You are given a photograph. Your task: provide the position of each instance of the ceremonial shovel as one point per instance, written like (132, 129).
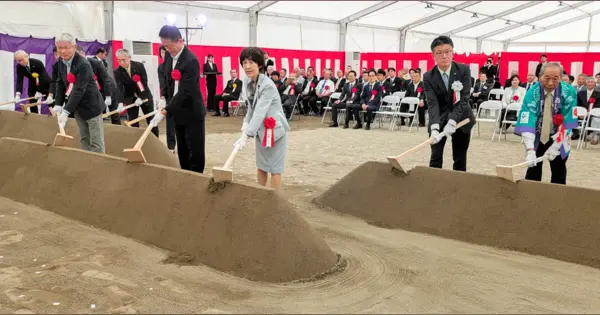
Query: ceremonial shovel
(395, 160)
(507, 172)
(129, 123)
(17, 101)
(25, 107)
(225, 174)
(135, 154)
(118, 111)
(61, 139)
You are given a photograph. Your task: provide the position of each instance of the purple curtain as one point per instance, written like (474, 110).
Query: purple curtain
(33, 45)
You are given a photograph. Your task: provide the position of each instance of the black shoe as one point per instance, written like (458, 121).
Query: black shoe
(216, 114)
(357, 126)
(368, 127)
(346, 126)
(225, 115)
(333, 125)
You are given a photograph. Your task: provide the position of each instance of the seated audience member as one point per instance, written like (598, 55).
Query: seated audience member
(565, 78)
(530, 82)
(397, 83)
(415, 89)
(350, 95)
(298, 75)
(386, 86)
(270, 70)
(364, 78)
(303, 72)
(571, 79)
(289, 96)
(512, 94)
(340, 82)
(581, 82)
(283, 75)
(278, 83)
(308, 91)
(589, 98)
(369, 101)
(482, 90)
(597, 78)
(230, 93)
(508, 81)
(323, 91)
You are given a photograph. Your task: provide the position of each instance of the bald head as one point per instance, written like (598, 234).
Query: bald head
(21, 57)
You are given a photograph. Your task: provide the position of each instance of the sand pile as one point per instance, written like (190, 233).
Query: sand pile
(556, 221)
(245, 230)
(116, 138)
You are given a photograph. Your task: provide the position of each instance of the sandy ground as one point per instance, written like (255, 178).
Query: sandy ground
(51, 264)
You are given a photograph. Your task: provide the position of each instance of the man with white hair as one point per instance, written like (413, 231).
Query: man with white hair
(132, 80)
(547, 117)
(35, 71)
(77, 90)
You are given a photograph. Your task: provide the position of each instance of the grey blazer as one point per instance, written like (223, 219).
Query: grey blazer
(265, 103)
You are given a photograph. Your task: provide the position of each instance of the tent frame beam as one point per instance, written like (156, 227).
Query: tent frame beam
(449, 10)
(362, 13)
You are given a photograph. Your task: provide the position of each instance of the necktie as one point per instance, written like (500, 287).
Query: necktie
(28, 69)
(547, 118)
(129, 71)
(322, 87)
(445, 78)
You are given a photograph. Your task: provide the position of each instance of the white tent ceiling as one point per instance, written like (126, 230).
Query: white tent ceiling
(509, 21)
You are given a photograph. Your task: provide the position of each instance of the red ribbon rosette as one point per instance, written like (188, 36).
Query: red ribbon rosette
(292, 90)
(176, 75)
(515, 98)
(138, 81)
(312, 85)
(419, 90)
(326, 87)
(558, 119)
(71, 79)
(353, 90)
(591, 101)
(373, 93)
(268, 140)
(97, 83)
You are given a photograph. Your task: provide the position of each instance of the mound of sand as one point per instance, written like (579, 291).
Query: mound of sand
(551, 220)
(249, 231)
(116, 138)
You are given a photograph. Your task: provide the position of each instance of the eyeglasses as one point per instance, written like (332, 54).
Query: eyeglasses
(442, 53)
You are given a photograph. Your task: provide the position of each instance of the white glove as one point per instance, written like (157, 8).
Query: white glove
(450, 128)
(162, 103)
(244, 126)
(17, 97)
(38, 96)
(49, 100)
(63, 118)
(157, 119)
(138, 101)
(531, 157)
(435, 133)
(57, 110)
(553, 151)
(120, 107)
(241, 141)
(108, 101)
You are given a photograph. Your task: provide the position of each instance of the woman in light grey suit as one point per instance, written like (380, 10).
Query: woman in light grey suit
(264, 105)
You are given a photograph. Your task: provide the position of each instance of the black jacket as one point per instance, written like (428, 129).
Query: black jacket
(128, 89)
(340, 85)
(347, 93)
(234, 92)
(366, 95)
(583, 101)
(397, 84)
(314, 81)
(211, 79)
(107, 85)
(36, 66)
(85, 98)
(187, 106)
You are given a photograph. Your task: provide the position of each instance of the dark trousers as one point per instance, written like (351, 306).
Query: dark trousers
(288, 105)
(115, 119)
(460, 145)
(305, 103)
(132, 113)
(355, 109)
(226, 99)
(558, 166)
(211, 90)
(33, 109)
(313, 103)
(334, 111)
(190, 146)
(171, 133)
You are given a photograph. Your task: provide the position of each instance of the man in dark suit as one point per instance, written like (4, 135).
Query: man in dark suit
(490, 70)
(268, 61)
(171, 138)
(415, 89)
(132, 92)
(370, 99)
(35, 71)
(52, 90)
(340, 81)
(448, 105)
(588, 98)
(290, 94)
(187, 105)
(230, 93)
(530, 82)
(210, 71)
(350, 95)
(78, 91)
(308, 91)
(397, 84)
(386, 86)
(101, 57)
(543, 60)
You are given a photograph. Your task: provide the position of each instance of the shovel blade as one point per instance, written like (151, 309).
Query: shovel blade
(396, 163)
(505, 172)
(222, 175)
(63, 140)
(134, 155)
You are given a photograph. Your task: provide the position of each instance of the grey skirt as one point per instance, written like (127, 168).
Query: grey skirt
(271, 160)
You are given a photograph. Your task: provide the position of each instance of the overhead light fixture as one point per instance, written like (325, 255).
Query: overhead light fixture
(533, 27)
(171, 19)
(474, 15)
(429, 6)
(507, 22)
(560, 3)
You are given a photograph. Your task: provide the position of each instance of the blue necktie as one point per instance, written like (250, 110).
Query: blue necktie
(445, 78)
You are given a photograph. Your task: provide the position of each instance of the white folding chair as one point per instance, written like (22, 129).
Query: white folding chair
(400, 94)
(510, 107)
(496, 93)
(390, 110)
(594, 113)
(413, 113)
(327, 107)
(581, 123)
(491, 106)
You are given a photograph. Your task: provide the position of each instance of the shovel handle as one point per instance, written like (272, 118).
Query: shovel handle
(538, 160)
(462, 123)
(61, 130)
(117, 111)
(131, 122)
(428, 141)
(19, 100)
(229, 161)
(140, 142)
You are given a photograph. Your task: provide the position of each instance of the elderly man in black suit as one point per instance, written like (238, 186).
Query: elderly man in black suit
(231, 92)
(78, 91)
(132, 82)
(447, 87)
(35, 71)
(182, 99)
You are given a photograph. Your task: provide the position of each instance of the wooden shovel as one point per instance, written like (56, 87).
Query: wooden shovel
(135, 154)
(118, 111)
(225, 174)
(129, 123)
(25, 107)
(507, 172)
(18, 101)
(61, 139)
(395, 160)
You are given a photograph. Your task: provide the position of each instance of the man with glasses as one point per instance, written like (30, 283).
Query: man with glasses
(447, 88)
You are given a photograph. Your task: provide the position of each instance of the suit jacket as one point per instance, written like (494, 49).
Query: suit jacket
(52, 88)
(161, 77)
(103, 61)
(267, 103)
(410, 90)
(85, 98)
(439, 99)
(231, 91)
(36, 66)
(582, 99)
(211, 79)
(280, 86)
(340, 84)
(187, 106)
(490, 72)
(314, 80)
(297, 90)
(397, 84)
(107, 85)
(524, 85)
(128, 89)
(386, 88)
(366, 94)
(347, 93)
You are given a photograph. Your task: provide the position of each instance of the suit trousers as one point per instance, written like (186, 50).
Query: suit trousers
(115, 119)
(226, 99)
(305, 103)
(171, 133)
(190, 146)
(33, 109)
(133, 113)
(91, 133)
(313, 103)
(460, 145)
(353, 110)
(334, 111)
(558, 166)
(211, 90)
